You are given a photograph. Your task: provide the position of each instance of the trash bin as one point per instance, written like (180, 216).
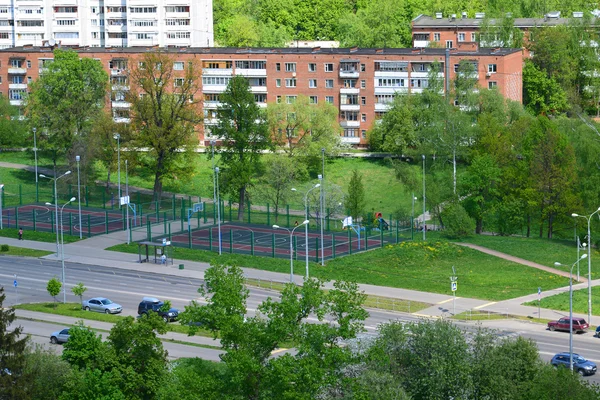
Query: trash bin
(180, 266)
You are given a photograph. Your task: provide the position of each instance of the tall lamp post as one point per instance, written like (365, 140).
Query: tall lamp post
(77, 158)
(424, 226)
(322, 199)
(62, 247)
(218, 209)
(291, 232)
(1, 193)
(306, 226)
(118, 138)
(571, 307)
(36, 169)
(589, 257)
(412, 214)
(55, 202)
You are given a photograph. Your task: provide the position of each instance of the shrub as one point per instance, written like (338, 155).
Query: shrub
(457, 223)
(4, 248)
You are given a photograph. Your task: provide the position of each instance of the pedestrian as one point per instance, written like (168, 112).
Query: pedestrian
(163, 259)
(20, 233)
(296, 223)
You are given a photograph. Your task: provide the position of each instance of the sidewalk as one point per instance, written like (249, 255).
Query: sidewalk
(91, 252)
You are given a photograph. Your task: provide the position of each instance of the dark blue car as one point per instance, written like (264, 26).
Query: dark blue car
(597, 332)
(580, 364)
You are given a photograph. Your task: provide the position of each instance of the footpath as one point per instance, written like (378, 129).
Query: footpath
(91, 252)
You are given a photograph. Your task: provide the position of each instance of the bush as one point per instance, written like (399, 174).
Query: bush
(4, 248)
(457, 223)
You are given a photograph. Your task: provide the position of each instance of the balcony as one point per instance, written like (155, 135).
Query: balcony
(121, 120)
(349, 107)
(421, 43)
(214, 88)
(120, 104)
(17, 86)
(345, 90)
(210, 121)
(251, 72)
(349, 73)
(116, 28)
(67, 15)
(118, 72)
(350, 140)
(350, 124)
(419, 74)
(258, 89)
(17, 71)
(382, 107)
(119, 88)
(212, 105)
(17, 103)
(391, 90)
(391, 74)
(217, 71)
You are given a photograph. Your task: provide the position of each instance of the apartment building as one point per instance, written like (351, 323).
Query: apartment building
(453, 32)
(106, 23)
(361, 83)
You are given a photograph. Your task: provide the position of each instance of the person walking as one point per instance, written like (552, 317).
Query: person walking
(20, 233)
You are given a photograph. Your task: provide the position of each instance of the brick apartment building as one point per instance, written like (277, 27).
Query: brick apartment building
(361, 83)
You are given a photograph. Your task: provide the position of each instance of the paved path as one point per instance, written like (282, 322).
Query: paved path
(41, 170)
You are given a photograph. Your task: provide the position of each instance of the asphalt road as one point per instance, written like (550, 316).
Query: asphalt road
(128, 287)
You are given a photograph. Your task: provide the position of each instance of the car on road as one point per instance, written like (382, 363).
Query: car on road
(152, 304)
(597, 332)
(579, 325)
(580, 365)
(101, 304)
(59, 336)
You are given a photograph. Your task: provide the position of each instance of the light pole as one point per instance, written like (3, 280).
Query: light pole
(306, 226)
(62, 247)
(291, 232)
(127, 205)
(424, 226)
(36, 169)
(1, 193)
(322, 199)
(216, 201)
(589, 257)
(77, 158)
(218, 209)
(412, 214)
(571, 307)
(118, 137)
(55, 202)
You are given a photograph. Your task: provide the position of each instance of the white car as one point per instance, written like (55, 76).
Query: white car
(101, 304)
(59, 336)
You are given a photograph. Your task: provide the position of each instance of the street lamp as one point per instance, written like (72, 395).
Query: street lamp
(62, 247)
(216, 201)
(291, 232)
(36, 165)
(571, 307)
(322, 199)
(306, 226)
(218, 209)
(424, 226)
(1, 193)
(55, 202)
(412, 215)
(589, 255)
(77, 158)
(118, 137)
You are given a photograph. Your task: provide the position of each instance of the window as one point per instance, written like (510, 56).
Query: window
(461, 36)
(278, 66)
(329, 99)
(260, 97)
(363, 67)
(312, 67)
(142, 10)
(492, 85)
(178, 35)
(290, 99)
(349, 83)
(329, 83)
(117, 9)
(290, 67)
(391, 66)
(328, 67)
(278, 99)
(28, 63)
(178, 65)
(313, 99)
(16, 94)
(363, 133)
(436, 37)
(177, 22)
(177, 9)
(473, 37)
(17, 79)
(178, 82)
(363, 84)
(16, 63)
(65, 22)
(262, 82)
(349, 132)
(449, 44)
(363, 101)
(492, 68)
(65, 9)
(278, 82)
(419, 83)
(4, 35)
(215, 80)
(142, 22)
(363, 117)
(391, 82)
(140, 36)
(251, 64)
(312, 83)
(290, 82)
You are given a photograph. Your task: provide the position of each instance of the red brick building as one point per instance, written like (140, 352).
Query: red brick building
(361, 83)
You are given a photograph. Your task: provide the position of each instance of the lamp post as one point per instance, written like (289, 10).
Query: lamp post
(127, 205)
(218, 209)
(36, 169)
(55, 202)
(62, 247)
(589, 257)
(77, 158)
(306, 226)
(424, 226)
(1, 193)
(291, 232)
(216, 200)
(322, 199)
(412, 214)
(571, 307)
(118, 137)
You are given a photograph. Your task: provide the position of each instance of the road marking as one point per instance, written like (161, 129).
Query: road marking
(446, 301)
(484, 305)
(426, 316)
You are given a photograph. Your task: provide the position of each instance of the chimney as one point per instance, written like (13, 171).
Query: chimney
(577, 14)
(480, 15)
(464, 15)
(453, 17)
(438, 15)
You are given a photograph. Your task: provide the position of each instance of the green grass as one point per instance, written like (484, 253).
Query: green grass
(580, 301)
(23, 252)
(47, 237)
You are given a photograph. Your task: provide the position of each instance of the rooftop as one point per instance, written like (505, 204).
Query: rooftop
(425, 21)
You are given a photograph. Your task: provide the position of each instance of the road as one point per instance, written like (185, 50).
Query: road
(128, 287)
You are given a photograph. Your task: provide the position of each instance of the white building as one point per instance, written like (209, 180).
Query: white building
(106, 23)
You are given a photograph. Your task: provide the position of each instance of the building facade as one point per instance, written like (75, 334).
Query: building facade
(360, 83)
(110, 23)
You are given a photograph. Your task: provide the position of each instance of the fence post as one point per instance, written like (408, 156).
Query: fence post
(349, 241)
(366, 238)
(333, 245)
(17, 217)
(189, 238)
(381, 234)
(52, 219)
(268, 216)
(89, 226)
(33, 217)
(204, 211)
(273, 245)
(165, 222)
(214, 213)
(148, 230)
(249, 208)
(103, 199)
(210, 238)
(169, 232)
(287, 213)
(230, 239)
(316, 250)
(230, 210)
(71, 224)
(173, 205)
(328, 219)
(251, 243)
(106, 220)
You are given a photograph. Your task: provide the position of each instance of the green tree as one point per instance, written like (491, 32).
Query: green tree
(84, 349)
(79, 290)
(47, 374)
(64, 101)
(12, 353)
(542, 94)
(457, 222)
(163, 115)
(13, 132)
(244, 136)
(396, 130)
(53, 287)
(355, 199)
(480, 185)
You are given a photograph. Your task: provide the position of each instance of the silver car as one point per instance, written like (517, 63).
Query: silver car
(59, 336)
(101, 304)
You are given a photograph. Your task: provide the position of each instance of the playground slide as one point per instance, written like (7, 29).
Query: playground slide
(383, 225)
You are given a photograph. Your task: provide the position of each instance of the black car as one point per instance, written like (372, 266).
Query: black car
(580, 364)
(152, 304)
(597, 332)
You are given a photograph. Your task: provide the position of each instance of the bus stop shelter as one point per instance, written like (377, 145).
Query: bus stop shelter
(159, 249)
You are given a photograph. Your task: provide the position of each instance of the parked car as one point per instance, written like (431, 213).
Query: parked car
(152, 304)
(579, 325)
(101, 304)
(59, 336)
(597, 332)
(580, 365)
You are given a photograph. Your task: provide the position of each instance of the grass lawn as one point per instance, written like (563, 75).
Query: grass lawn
(23, 252)
(47, 237)
(580, 301)
(424, 266)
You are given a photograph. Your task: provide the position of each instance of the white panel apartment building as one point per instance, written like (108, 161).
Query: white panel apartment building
(106, 23)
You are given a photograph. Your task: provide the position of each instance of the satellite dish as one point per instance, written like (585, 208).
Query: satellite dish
(51, 42)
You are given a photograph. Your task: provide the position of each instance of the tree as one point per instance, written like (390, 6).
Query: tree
(542, 94)
(457, 223)
(79, 290)
(64, 101)
(163, 115)
(84, 349)
(13, 133)
(244, 136)
(47, 374)
(355, 199)
(53, 288)
(396, 130)
(12, 354)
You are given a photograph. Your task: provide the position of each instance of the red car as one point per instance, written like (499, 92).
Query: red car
(579, 325)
